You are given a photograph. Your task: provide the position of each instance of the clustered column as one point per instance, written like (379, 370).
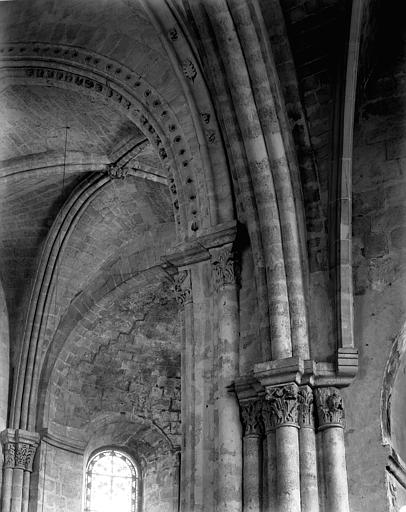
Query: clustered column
(286, 415)
(19, 447)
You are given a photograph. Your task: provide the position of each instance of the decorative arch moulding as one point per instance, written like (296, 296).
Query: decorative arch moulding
(70, 67)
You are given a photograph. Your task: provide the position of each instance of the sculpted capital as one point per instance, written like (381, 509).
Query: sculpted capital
(330, 408)
(251, 418)
(24, 455)
(283, 401)
(306, 407)
(182, 288)
(9, 455)
(225, 267)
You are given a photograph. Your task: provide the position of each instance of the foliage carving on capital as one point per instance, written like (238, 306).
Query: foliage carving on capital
(251, 418)
(306, 406)
(284, 404)
(330, 408)
(182, 287)
(24, 455)
(268, 418)
(9, 455)
(225, 267)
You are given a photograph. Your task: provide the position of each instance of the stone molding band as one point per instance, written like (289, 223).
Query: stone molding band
(292, 405)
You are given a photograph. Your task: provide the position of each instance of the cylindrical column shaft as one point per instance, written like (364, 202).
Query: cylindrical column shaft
(26, 491)
(287, 462)
(283, 407)
(308, 470)
(271, 471)
(183, 294)
(252, 455)
(229, 486)
(335, 470)
(252, 488)
(17, 490)
(330, 411)
(309, 491)
(6, 489)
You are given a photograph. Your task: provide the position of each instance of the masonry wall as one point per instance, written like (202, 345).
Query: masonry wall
(58, 485)
(161, 485)
(379, 257)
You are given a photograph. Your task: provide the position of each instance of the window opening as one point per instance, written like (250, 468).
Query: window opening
(111, 483)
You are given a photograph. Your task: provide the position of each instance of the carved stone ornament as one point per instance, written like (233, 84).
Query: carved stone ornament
(268, 417)
(306, 407)
(9, 455)
(24, 456)
(251, 418)
(182, 288)
(330, 408)
(189, 69)
(116, 172)
(225, 269)
(284, 404)
(173, 34)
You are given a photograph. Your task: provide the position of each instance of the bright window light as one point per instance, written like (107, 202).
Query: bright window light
(111, 483)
